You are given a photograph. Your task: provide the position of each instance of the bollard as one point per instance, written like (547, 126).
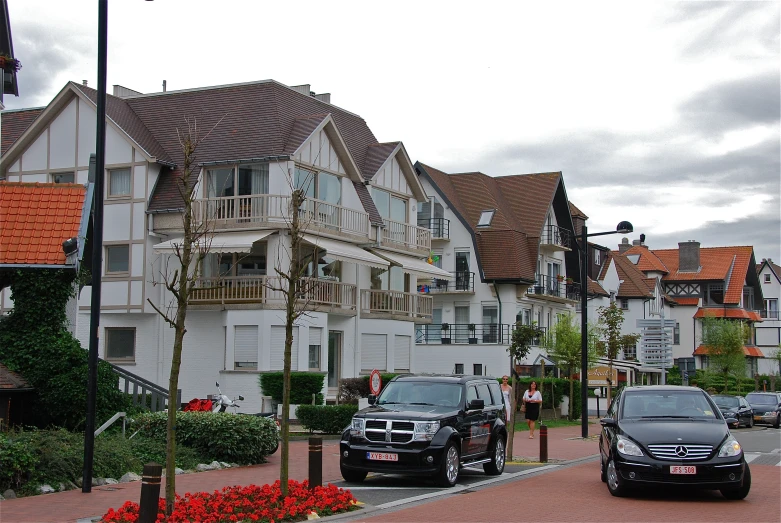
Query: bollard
(150, 493)
(543, 443)
(315, 462)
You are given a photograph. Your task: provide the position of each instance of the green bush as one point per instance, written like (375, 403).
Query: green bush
(553, 390)
(234, 438)
(302, 386)
(351, 389)
(17, 463)
(147, 450)
(331, 419)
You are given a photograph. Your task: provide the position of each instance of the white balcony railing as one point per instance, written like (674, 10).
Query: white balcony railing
(406, 235)
(264, 290)
(397, 303)
(255, 209)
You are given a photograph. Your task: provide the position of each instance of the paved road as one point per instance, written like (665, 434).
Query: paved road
(762, 445)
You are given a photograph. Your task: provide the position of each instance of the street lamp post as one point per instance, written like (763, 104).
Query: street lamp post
(622, 228)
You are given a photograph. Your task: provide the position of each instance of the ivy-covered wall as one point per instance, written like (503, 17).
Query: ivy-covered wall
(35, 342)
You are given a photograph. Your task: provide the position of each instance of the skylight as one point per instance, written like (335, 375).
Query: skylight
(634, 258)
(485, 218)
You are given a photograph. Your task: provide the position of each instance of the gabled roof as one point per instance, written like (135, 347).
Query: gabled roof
(10, 380)
(508, 247)
(648, 260)
(774, 269)
(594, 288)
(36, 218)
(14, 123)
(575, 212)
(376, 156)
(634, 284)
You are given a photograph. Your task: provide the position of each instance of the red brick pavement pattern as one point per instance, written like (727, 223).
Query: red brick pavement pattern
(576, 494)
(563, 444)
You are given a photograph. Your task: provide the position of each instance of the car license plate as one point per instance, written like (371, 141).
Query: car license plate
(683, 470)
(382, 456)
(757, 418)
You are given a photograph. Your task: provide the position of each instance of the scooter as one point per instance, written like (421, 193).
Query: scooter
(221, 402)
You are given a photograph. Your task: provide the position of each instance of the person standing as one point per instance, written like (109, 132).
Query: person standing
(532, 399)
(506, 393)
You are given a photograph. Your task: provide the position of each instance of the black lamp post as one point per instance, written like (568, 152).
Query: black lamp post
(621, 228)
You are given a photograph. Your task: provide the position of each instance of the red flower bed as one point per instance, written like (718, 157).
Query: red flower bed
(253, 503)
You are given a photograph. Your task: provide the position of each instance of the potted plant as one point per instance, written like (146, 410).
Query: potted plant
(8, 64)
(570, 281)
(472, 338)
(445, 327)
(559, 277)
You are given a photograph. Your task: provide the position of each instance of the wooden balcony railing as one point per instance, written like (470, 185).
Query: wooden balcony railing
(406, 235)
(397, 303)
(255, 209)
(264, 290)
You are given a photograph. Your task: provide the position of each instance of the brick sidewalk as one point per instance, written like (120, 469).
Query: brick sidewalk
(564, 443)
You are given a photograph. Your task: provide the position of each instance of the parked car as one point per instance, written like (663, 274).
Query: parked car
(670, 435)
(427, 425)
(767, 407)
(735, 409)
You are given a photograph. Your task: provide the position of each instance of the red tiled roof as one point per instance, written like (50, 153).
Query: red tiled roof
(596, 289)
(754, 352)
(36, 218)
(687, 301)
(721, 312)
(634, 284)
(575, 212)
(648, 260)
(14, 124)
(11, 380)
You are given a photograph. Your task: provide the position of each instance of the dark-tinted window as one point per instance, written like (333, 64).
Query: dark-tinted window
(496, 393)
(484, 394)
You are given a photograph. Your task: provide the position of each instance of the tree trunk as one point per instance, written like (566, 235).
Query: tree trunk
(609, 380)
(571, 396)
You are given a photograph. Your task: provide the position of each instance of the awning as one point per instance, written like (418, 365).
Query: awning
(345, 252)
(219, 242)
(415, 266)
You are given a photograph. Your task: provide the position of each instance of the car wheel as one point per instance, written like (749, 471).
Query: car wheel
(448, 472)
(353, 476)
(602, 473)
(496, 465)
(742, 491)
(777, 424)
(615, 483)
(751, 422)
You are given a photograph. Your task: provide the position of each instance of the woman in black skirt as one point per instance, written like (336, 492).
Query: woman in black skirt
(532, 398)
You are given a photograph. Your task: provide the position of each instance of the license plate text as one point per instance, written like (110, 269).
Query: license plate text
(683, 470)
(382, 456)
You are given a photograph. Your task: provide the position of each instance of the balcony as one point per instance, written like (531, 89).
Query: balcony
(399, 235)
(396, 305)
(315, 294)
(272, 210)
(555, 238)
(768, 314)
(439, 227)
(462, 283)
(461, 334)
(554, 289)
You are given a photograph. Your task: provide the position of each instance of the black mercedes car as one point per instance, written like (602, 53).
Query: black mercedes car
(735, 409)
(427, 425)
(766, 406)
(670, 435)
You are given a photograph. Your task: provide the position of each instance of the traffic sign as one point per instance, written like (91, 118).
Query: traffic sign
(375, 382)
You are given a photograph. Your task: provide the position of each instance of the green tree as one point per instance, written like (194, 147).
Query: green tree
(611, 319)
(563, 344)
(521, 341)
(724, 340)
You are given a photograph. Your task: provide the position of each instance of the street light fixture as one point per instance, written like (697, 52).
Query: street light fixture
(622, 228)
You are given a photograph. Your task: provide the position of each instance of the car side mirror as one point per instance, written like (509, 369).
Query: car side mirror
(372, 399)
(608, 422)
(476, 404)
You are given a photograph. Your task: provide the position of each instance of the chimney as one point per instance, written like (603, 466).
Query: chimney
(164, 85)
(324, 97)
(624, 245)
(83, 82)
(689, 256)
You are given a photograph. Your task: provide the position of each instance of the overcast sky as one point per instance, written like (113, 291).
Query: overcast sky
(665, 114)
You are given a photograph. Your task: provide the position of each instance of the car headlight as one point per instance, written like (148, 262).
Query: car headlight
(730, 448)
(357, 427)
(425, 430)
(627, 447)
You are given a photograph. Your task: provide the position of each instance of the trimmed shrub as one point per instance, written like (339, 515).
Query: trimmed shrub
(331, 419)
(553, 390)
(302, 386)
(17, 463)
(235, 438)
(351, 389)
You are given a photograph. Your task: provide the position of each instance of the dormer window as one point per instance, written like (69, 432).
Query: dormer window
(485, 218)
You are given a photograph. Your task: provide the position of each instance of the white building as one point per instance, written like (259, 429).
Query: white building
(264, 139)
(769, 331)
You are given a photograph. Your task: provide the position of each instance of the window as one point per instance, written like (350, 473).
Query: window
(119, 182)
(630, 353)
(121, 344)
(315, 337)
(389, 206)
(677, 334)
(767, 278)
(245, 347)
(485, 218)
(321, 185)
(477, 369)
(117, 258)
(771, 308)
(459, 368)
(63, 178)
(715, 294)
(490, 324)
(625, 304)
(249, 178)
(597, 256)
(748, 298)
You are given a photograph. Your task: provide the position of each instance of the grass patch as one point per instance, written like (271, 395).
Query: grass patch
(521, 426)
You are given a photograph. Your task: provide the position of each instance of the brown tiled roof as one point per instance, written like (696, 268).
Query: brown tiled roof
(648, 261)
(302, 128)
(575, 212)
(634, 284)
(773, 267)
(732, 313)
(596, 289)
(376, 155)
(368, 203)
(13, 124)
(687, 301)
(754, 352)
(10, 380)
(36, 218)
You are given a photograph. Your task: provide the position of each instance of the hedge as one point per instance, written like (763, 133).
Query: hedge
(553, 390)
(234, 438)
(351, 389)
(330, 419)
(302, 386)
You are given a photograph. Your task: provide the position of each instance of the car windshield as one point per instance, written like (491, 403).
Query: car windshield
(726, 401)
(421, 393)
(666, 404)
(761, 399)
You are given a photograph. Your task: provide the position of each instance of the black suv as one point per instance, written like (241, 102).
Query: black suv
(430, 425)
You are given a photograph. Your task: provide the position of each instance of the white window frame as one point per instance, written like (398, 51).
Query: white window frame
(107, 344)
(486, 217)
(597, 257)
(767, 278)
(107, 256)
(111, 173)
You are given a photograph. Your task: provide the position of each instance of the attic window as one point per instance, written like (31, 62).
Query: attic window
(634, 258)
(485, 218)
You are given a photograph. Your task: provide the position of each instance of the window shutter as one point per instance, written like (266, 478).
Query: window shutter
(315, 336)
(277, 350)
(401, 355)
(245, 347)
(374, 352)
